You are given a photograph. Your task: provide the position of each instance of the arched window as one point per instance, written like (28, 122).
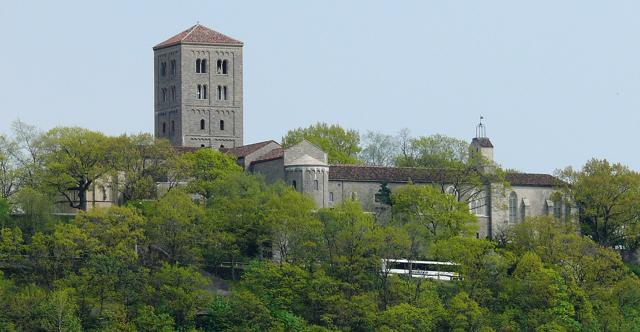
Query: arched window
(221, 124)
(203, 66)
(164, 127)
(204, 91)
(173, 93)
(163, 69)
(224, 66)
(294, 184)
(202, 145)
(222, 146)
(164, 95)
(513, 207)
(219, 67)
(219, 92)
(224, 92)
(197, 65)
(202, 124)
(317, 184)
(199, 92)
(173, 67)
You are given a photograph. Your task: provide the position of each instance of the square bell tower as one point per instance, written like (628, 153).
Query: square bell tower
(198, 89)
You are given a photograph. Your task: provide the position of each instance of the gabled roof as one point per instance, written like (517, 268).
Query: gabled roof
(277, 153)
(381, 174)
(532, 179)
(198, 34)
(359, 173)
(243, 151)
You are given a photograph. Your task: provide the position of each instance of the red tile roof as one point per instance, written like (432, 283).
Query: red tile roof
(532, 179)
(243, 151)
(198, 34)
(358, 173)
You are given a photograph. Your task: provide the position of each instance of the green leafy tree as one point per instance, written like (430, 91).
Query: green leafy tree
(341, 145)
(351, 242)
(142, 161)
(175, 228)
(60, 312)
(75, 158)
(405, 317)
(429, 216)
(204, 167)
(607, 196)
(179, 292)
(454, 168)
(295, 230)
(5, 209)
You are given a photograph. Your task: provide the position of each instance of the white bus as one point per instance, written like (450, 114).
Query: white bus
(422, 269)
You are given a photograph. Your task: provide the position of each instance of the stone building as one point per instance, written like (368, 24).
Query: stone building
(198, 89)
(305, 168)
(198, 103)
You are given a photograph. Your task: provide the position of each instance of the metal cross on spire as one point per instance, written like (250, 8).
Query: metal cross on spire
(481, 130)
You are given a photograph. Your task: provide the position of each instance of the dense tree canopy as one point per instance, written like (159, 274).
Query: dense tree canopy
(607, 196)
(225, 251)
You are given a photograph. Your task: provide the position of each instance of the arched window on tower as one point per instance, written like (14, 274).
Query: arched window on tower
(197, 65)
(224, 92)
(164, 127)
(219, 66)
(199, 92)
(172, 64)
(513, 207)
(163, 69)
(202, 124)
(317, 184)
(219, 92)
(221, 124)
(203, 66)
(204, 92)
(224, 67)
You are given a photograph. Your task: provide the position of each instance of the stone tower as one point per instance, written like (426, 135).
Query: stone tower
(198, 89)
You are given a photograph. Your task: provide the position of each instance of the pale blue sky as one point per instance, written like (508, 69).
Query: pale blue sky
(557, 81)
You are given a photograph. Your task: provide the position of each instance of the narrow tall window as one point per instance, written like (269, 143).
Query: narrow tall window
(204, 91)
(164, 95)
(219, 92)
(173, 126)
(557, 209)
(331, 196)
(173, 93)
(163, 69)
(199, 92)
(197, 65)
(224, 92)
(221, 124)
(173, 67)
(294, 184)
(202, 124)
(219, 66)
(203, 66)
(224, 67)
(317, 184)
(513, 207)
(164, 127)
